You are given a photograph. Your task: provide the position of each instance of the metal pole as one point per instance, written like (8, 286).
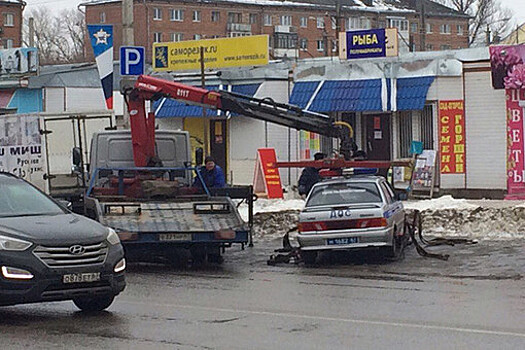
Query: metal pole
(290, 77)
(204, 116)
(128, 39)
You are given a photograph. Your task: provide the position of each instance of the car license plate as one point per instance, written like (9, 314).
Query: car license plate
(81, 277)
(340, 241)
(170, 237)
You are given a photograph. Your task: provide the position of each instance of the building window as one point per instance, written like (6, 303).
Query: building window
(427, 128)
(357, 23)
(176, 15)
(320, 22)
(429, 28)
(9, 43)
(215, 36)
(413, 28)
(335, 43)
(285, 41)
(215, 16)
(286, 20)
(430, 47)
(176, 37)
(234, 17)
(102, 17)
(405, 133)
(334, 22)
(459, 28)
(9, 20)
(304, 22)
(320, 45)
(237, 34)
(197, 37)
(267, 19)
(400, 23)
(445, 29)
(253, 18)
(157, 14)
(157, 37)
(303, 44)
(196, 16)
(446, 47)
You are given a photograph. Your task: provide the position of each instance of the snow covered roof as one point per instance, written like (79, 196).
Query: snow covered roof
(19, 2)
(354, 5)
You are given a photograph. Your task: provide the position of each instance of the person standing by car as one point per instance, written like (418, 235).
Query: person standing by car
(309, 176)
(211, 174)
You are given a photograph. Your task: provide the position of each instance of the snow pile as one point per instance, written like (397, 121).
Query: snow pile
(445, 202)
(443, 217)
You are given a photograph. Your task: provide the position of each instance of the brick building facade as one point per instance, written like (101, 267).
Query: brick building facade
(297, 28)
(11, 23)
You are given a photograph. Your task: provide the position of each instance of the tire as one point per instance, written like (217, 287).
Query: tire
(395, 251)
(309, 257)
(94, 304)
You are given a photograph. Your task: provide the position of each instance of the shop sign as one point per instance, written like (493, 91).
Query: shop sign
(368, 43)
(515, 143)
(218, 53)
(452, 136)
(508, 66)
(267, 179)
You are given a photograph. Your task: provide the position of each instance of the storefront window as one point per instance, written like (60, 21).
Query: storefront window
(405, 133)
(427, 127)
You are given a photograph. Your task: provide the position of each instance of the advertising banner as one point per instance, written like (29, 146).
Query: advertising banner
(267, 179)
(515, 144)
(310, 144)
(508, 66)
(19, 61)
(452, 137)
(368, 43)
(102, 42)
(218, 53)
(22, 148)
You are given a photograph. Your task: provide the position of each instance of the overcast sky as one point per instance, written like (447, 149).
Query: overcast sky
(518, 6)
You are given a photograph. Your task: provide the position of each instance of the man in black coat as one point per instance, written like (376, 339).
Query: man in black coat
(309, 177)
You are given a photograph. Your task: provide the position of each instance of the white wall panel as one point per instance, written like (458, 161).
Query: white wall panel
(485, 117)
(54, 99)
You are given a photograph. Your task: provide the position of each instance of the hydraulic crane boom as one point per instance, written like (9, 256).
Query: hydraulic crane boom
(149, 88)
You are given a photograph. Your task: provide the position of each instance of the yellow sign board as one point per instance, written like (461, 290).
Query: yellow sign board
(218, 53)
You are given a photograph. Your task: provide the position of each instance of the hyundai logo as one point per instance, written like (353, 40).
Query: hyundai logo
(77, 250)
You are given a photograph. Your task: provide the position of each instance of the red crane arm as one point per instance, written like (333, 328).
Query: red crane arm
(143, 126)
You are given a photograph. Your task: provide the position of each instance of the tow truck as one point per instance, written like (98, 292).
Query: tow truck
(154, 208)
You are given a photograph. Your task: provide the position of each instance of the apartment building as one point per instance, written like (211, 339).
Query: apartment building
(11, 23)
(297, 28)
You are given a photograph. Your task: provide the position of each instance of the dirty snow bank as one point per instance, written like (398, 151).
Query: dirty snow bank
(444, 217)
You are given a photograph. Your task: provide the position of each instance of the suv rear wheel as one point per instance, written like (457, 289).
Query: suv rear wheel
(92, 304)
(395, 251)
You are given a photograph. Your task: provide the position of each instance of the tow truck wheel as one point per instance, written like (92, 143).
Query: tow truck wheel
(94, 304)
(309, 257)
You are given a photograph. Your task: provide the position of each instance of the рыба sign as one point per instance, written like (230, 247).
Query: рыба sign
(368, 43)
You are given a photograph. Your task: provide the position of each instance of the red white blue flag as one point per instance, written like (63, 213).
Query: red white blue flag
(102, 42)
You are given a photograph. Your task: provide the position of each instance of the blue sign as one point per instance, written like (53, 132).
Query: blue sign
(370, 43)
(132, 60)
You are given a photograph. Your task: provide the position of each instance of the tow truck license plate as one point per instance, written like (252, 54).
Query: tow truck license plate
(81, 277)
(338, 241)
(166, 237)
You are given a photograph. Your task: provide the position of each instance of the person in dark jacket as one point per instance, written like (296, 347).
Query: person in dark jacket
(211, 173)
(309, 177)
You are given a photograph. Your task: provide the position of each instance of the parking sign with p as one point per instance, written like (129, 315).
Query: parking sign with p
(132, 60)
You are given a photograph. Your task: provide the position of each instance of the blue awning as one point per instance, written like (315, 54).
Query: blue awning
(168, 108)
(361, 95)
(302, 93)
(412, 93)
(348, 95)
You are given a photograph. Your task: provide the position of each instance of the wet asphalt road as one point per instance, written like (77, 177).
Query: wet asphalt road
(476, 300)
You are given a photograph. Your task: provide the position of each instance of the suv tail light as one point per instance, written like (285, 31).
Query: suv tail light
(341, 224)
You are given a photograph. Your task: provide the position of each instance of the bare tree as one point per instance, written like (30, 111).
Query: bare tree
(59, 38)
(490, 19)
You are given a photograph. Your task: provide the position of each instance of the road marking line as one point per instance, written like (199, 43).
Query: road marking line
(334, 319)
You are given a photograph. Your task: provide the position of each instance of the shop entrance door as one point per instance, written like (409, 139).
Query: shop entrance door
(378, 136)
(218, 142)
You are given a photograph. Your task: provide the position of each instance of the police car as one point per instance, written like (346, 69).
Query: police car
(351, 213)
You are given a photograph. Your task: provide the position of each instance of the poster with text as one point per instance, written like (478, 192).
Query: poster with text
(452, 137)
(22, 148)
